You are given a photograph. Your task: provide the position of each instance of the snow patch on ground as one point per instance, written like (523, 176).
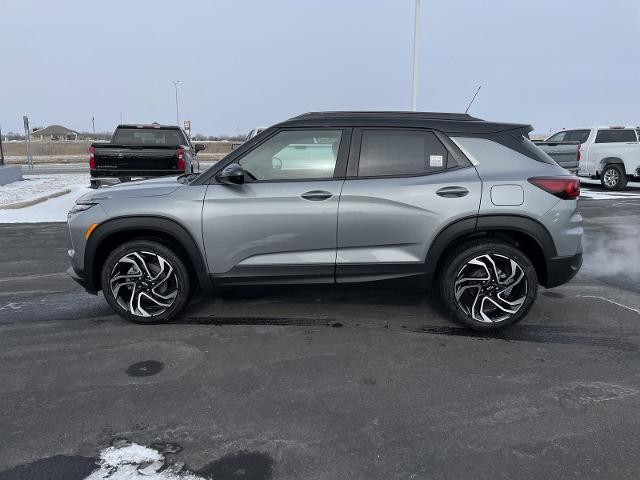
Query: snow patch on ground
(131, 461)
(36, 186)
(599, 193)
(606, 195)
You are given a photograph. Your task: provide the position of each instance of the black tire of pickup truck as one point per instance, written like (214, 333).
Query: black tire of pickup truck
(614, 177)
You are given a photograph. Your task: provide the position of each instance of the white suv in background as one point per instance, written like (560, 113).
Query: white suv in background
(611, 154)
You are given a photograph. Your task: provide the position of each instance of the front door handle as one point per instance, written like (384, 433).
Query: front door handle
(452, 192)
(317, 195)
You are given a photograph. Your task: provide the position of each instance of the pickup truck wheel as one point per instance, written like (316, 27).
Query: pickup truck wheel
(145, 282)
(614, 177)
(488, 285)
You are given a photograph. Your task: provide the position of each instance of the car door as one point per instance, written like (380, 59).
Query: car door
(403, 186)
(280, 225)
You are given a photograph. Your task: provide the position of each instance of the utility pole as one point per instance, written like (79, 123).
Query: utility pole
(27, 134)
(175, 84)
(93, 125)
(1, 151)
(416, 41)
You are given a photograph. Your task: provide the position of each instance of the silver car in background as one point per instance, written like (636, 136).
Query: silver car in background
(435, 199)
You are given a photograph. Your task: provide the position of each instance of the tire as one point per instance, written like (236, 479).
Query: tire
(517, 285)
(162, 288)
(614, 177)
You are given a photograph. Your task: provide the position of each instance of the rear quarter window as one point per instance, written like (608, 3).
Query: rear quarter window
(502, 153)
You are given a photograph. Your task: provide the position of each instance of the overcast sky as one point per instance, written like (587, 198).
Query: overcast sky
(243, 63)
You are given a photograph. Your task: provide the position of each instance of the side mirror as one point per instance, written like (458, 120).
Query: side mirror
(232, 174)
(199, 146)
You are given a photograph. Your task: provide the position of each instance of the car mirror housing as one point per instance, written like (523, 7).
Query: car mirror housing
(232, 174)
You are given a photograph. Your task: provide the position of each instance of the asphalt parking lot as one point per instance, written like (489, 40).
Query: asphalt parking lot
(320, 384)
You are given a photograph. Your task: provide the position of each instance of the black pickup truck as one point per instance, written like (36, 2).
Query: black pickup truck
(143, 151)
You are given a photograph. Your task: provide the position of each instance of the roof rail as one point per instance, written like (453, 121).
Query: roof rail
(422, 115)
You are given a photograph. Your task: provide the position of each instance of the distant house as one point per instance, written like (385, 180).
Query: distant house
(54, 132)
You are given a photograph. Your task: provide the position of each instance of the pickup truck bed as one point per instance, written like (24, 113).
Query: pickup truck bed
(566, 154)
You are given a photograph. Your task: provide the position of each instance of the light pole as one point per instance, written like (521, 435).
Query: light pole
(416, 40)
(1, 151)
(175, 84)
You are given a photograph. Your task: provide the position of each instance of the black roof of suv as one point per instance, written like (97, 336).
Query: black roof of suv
(445, 122)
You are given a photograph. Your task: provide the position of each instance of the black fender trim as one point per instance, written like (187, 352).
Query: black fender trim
(467, 227)
(150, 224)
(444, 238)
(522, 224)
(610, 161)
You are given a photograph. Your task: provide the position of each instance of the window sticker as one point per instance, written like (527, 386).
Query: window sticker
(435, 161)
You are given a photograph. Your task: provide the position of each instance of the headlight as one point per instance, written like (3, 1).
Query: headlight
(80, 207)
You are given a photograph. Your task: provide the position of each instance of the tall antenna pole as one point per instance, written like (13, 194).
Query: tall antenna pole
(175, 84)
(416, 41)
(473, 99)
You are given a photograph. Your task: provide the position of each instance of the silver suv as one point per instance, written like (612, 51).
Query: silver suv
(338, 198)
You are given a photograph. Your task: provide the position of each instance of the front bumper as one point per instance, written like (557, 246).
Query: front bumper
(561, 269)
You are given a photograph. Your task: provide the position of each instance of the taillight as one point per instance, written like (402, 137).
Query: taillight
(566, 188)
(92, 158)
(180, 165)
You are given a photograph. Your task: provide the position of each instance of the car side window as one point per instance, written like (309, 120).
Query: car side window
(615, 135)
(396, 152)
(294, 155)
(558, 137)
(579, 135)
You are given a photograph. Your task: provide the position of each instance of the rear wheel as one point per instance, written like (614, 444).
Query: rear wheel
(614, 177)
(145, 282)
(488, 285)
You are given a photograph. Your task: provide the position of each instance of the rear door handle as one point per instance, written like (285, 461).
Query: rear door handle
(452, 192)
(317, 195)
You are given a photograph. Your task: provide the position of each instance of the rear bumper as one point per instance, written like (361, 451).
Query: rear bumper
(82, 281)
(562, 269)
(96, 173)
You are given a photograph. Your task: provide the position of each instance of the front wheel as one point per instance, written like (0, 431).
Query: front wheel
(488, 285)
(145, 282)
(614, 177)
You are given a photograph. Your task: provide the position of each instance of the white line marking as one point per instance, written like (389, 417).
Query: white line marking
(610, 301)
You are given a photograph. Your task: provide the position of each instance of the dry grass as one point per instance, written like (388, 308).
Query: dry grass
(78, 151)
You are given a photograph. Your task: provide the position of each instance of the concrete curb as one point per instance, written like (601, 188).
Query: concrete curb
(34, 201)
